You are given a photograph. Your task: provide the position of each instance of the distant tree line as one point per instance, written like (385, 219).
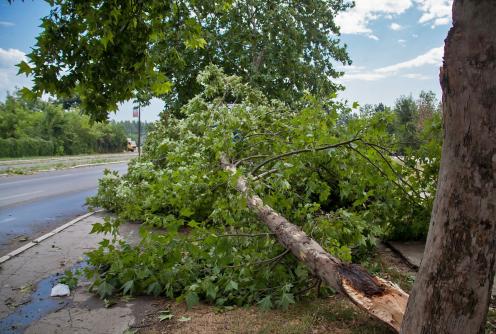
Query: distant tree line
(41, 128)
(414, 121)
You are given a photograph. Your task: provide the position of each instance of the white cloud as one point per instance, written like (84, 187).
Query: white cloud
(9, 79)
(357, 19)
(6, 24)
(431, 57)
(402, 42)
(395, 26)
(374, 37)
(437, 12)
(11, 56)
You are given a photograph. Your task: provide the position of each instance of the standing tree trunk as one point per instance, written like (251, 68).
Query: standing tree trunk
(453, 286)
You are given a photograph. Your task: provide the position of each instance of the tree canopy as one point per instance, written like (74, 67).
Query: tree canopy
(108, 51)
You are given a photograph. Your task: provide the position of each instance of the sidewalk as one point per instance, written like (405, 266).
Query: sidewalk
(27, 278)
(413, 251)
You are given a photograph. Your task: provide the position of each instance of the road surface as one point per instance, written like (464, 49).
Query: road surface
(31, 205)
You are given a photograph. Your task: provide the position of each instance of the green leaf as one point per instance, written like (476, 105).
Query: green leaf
(108, 37)
(161, 88)
(210, 290)
(105, 289)
(266, 303)
(165, 315)
(155, 288)
(286, 300)
(195, 43)
(128, 287)
(231, 285)
(191, 299)
(186, 212)
(28, 94)
(24, 68)
(184, 319)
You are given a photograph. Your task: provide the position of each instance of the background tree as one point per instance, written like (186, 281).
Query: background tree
(453, 287)
(36, 127)
(107, 51)
(406, 111)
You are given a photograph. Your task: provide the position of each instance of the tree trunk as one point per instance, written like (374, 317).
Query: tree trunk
(381, 299)
(453, 287)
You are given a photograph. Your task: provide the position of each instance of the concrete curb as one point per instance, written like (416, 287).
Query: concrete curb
(45, 236)
(401, 255)
(97, 164)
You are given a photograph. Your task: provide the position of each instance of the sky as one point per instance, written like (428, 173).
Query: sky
(396, 47)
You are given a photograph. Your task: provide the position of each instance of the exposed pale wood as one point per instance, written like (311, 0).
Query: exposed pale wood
(381, 299)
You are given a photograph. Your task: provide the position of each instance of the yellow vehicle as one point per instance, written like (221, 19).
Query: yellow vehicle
(131, 145)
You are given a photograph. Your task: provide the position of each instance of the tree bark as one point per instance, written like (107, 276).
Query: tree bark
(453, 287)
(381, 299)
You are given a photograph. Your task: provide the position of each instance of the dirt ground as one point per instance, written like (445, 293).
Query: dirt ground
(312, 315)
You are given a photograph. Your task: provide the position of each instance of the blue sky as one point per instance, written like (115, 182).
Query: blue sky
(396, 47)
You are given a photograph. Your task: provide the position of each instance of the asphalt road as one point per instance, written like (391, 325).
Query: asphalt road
(31, 205)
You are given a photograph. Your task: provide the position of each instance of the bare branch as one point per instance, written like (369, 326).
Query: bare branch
(380, 170)
(264, 174)
(250, 158)
(303, 150)
(392, 168)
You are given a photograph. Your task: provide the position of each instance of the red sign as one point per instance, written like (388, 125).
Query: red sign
(135, 111)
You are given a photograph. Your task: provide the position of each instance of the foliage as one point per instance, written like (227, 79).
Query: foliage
(324, 168)
(33, 128)
(416, 130)
(131, 129)
(106, 52)
(25, 147)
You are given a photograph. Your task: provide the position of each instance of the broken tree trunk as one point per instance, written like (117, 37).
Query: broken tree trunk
(382, 299)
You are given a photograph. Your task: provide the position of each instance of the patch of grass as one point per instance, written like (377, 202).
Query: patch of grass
(54, 166)
(15, 171)
(382, 266)
(313, 315)
(491, 318)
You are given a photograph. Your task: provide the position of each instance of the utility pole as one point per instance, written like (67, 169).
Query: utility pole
(139, 130)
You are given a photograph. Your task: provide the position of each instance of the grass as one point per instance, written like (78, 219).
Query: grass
(43, 163)
(316, 316)
(491, 318)
(59, 157)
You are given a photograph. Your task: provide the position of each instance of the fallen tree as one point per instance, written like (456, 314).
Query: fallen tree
(382, 299)
(317, 166)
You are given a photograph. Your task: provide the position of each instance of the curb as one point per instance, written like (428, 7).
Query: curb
(45, 236)
(401, 255)
(97, 164)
